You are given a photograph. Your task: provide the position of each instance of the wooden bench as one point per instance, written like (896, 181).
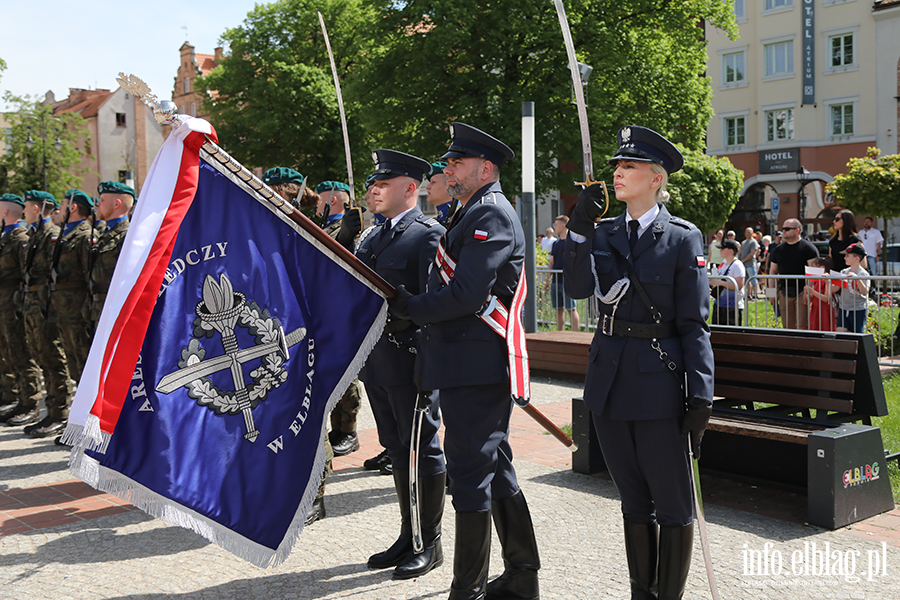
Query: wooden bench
(774, 388)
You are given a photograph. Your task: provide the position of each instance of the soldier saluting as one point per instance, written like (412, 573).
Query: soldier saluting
(650, 368)
(479, 263)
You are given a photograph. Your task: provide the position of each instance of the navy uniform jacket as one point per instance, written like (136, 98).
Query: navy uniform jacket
(403, 261)
(458, 348)
(626, 377)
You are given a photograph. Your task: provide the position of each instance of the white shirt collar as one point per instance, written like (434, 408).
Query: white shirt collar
(396, 219)
(646, 219)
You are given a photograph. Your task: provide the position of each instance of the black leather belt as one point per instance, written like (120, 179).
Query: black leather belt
(643, 330)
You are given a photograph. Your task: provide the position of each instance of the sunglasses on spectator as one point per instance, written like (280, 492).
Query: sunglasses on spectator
(789, 228)
(838, 218)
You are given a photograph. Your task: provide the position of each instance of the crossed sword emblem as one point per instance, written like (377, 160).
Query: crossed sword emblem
(225, 321)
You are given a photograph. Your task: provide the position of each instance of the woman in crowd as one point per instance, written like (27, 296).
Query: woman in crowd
(845, 233)
(728, 287)
(715, 257)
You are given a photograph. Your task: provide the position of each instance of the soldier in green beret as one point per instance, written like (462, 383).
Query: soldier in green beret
(113, 207)
(334, 198)
(20, 376)
(287, 183)
(69, 272)
(437, 191)
(341, 222)
(41, 338)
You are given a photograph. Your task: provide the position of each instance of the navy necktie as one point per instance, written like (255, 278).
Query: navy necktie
(633, 226)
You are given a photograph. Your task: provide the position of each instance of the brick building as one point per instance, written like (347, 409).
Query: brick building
(125, 136)
(192, 65)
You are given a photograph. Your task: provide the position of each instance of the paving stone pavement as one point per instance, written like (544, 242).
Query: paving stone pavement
(128, 555)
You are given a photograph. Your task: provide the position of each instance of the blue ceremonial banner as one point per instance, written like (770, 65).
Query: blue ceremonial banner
(257, 331)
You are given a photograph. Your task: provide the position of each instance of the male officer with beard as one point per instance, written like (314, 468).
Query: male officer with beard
(482, 255)
(401, 250)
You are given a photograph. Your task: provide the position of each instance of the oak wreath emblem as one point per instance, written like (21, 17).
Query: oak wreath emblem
(221, 311)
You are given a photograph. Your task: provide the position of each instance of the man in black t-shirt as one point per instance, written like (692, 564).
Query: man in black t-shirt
(561, 301)
(791, 257)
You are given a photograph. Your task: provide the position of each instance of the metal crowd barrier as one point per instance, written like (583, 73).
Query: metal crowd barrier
(764, 307)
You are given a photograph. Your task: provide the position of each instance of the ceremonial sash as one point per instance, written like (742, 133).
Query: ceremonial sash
(498, 319)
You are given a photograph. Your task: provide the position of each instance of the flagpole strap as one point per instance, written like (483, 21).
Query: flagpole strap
(505, 323)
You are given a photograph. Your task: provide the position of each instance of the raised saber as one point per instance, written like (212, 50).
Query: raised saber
(586, 154)
(340, 100)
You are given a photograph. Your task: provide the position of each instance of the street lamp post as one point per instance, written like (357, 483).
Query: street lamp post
(803, 178)
(43, 123)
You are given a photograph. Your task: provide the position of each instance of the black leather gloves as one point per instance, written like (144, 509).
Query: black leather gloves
(398, 306)
(351, 225)
(696, 417)
(588, 208)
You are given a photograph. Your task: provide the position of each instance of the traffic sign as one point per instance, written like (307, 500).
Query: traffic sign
(775, 206)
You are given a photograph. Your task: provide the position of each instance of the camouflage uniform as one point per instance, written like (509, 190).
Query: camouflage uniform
(42, 337)
(68, 294)
(106, 254)
(343, 417)
(20, 378)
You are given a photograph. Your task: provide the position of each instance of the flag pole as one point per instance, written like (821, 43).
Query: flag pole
(165, 113)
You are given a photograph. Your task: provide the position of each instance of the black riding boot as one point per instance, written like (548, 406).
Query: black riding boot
(471, 555)
(432, 491)
(675, 547)
(399, 550)
(519, 580)
(641, 551)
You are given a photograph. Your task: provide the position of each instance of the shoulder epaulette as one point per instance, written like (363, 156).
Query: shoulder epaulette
(426, 221)
(679, 221)
(490, 198)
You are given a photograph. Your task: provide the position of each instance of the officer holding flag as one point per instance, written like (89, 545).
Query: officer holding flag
(480, 261)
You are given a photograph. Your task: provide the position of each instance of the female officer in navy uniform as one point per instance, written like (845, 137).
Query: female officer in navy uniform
(642, 408)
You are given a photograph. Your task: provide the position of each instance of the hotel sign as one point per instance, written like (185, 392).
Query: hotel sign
(808, 44)
(779, 161)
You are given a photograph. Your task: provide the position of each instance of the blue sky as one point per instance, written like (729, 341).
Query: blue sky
(56, 45)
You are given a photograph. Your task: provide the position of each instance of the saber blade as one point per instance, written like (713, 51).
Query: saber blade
(587, 155)
(415, 440)
(701, 521)
(340, 100)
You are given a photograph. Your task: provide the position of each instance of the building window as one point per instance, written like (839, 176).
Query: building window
(779, 125)
(842, 50)
(120, 120)
(735, 131)
(733, 65)
(779, 58)
(842, 119)
(193, 109)
(740, 10)
(186, 85)
(773, 4)
(124, 176)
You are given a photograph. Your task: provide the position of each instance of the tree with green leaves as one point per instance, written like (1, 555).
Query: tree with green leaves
(272, 98)
(871, 185)
(22, 168)
(705, 190)
(442, 61)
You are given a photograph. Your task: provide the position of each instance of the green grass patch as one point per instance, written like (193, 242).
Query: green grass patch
(890, 428)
